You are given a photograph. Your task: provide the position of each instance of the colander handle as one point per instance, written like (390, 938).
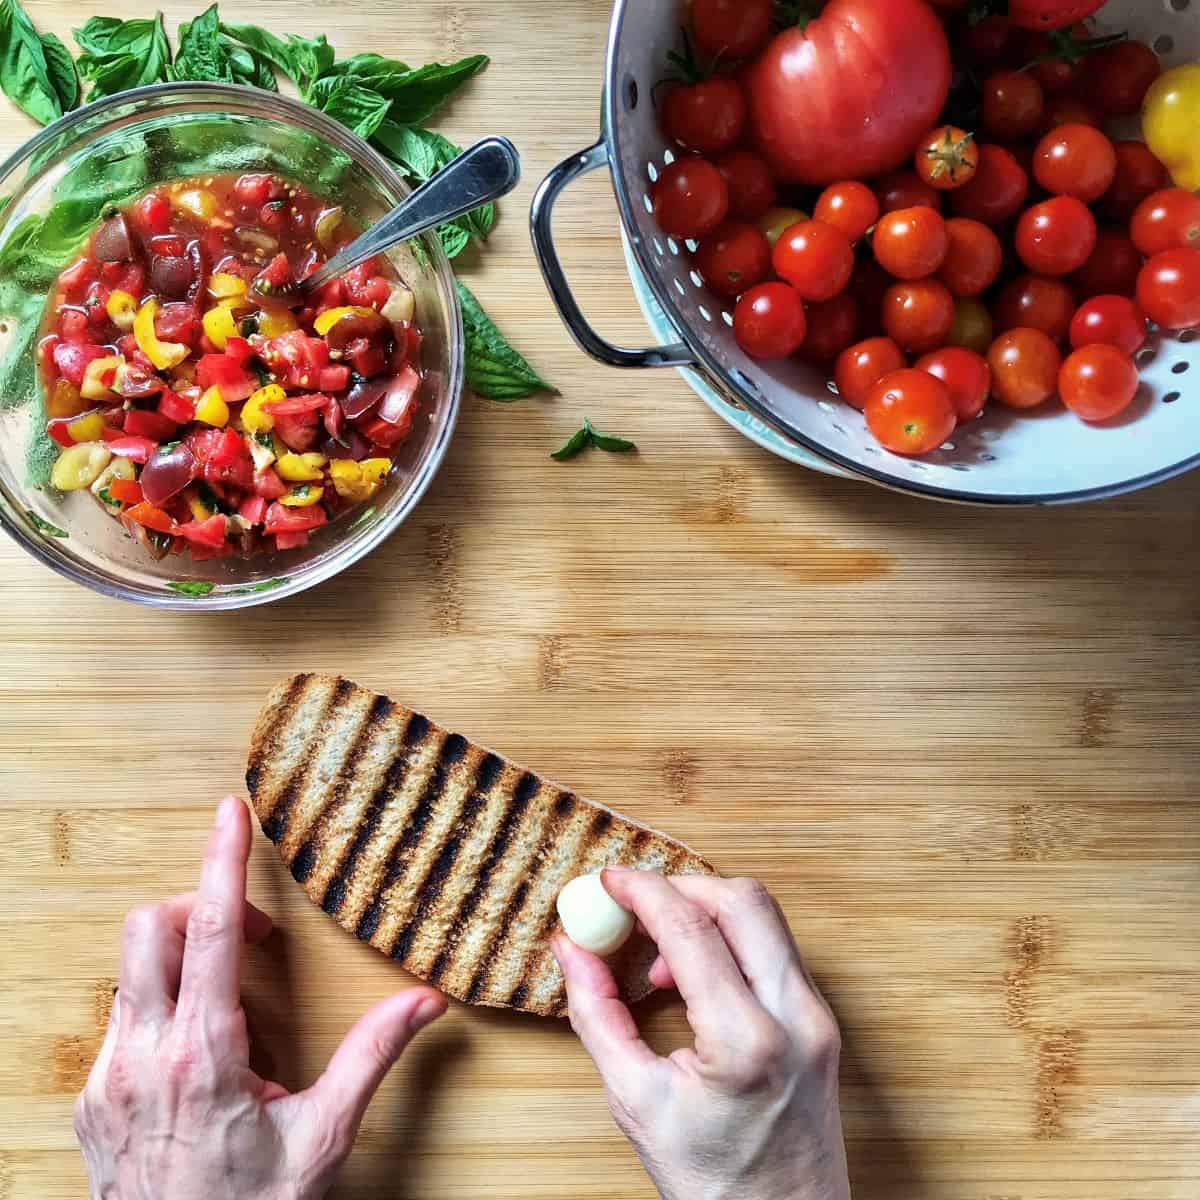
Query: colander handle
(591, 159)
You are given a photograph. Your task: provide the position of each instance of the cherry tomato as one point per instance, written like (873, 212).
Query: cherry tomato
(1115, 80)
(918, 315)
(750, 183)
(851, 207)
(1013, 105)
(972, 328)
(947, 158)
(734, 257)
(869, 284)
(1034, 302)
(998, 190)
(990, 42)
(1098, 382)
(775, 222)
(690, 198)
(1169, 289)
(707, 117)
(1067, 110)
(731, 28)
(1139, 174)
(1050, 14)
(1109, 321)
(816, 259)
(905, 189)
(973, 257)
(1024, 365)
(910, 412)
(832, 326)
(860, 367)
(769, 321)
(965, 374)
(1057, 236)
(1112, 269)
(911, 243)
(1167, 220)
(1056, 66)
(1075, 160)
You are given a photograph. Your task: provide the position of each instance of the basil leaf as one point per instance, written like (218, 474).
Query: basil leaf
(420, 153)
(416, 95)
(60, 66)
(44, 526)
(614, 445)
(454, 238)
(201, 56)
(24, 73)
(577, 444)
(302, 60)
(250, 68)
(123, 54)
(368, 64)
(267, 585)
(493, 368)
(343, 98)
(479, 221)
(195, 588)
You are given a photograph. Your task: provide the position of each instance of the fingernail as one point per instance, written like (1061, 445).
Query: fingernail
(618, 870)
(428, 1011)
(226, 810)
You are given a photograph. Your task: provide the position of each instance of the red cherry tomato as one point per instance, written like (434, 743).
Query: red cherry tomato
(998, 191)
(965, 374)
(1057, 236)
(750, 183)
(910, 412)
(1067, 110)
(769, 321)
(1075, 160)
(1115, 80)
(850, 206)
(1109, 321)
(1112, 269)
(832, 326)
(1034, 302)
(1098, 382)
(707, 117)
(1054, 67)
(816, 259)
(860, 367)
(947, 158)
(1050, 14)
(973, 257)
(905, 189)
(1139, 174)
(1013, 105)
(734, 257)
(869, 284)
(991, 42)
(1167, 220)
(918, 315)
(847, 95)
(1169, 289)
(1024, 365)
(911, 243)
(690, 198)
(731, 28)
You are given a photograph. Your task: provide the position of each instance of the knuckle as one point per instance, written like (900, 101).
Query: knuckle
(206, 922)
(688, 922)
(183, 1060)
(750, 893)
(142, 922)
(825, 1041)
(765, 1050)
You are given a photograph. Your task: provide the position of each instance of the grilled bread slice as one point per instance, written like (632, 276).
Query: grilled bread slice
(437, 852)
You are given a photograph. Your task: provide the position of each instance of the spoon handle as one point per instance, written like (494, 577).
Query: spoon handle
(486, 171)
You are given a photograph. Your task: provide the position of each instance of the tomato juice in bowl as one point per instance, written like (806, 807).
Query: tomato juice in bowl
(135, 232)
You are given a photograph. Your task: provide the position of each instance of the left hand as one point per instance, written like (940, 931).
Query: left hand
(171, 1107)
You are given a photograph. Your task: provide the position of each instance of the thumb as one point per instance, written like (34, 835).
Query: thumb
(368, 1052)
(604, 1024)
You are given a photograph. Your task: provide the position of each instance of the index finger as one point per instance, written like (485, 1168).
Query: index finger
(212, 952)
(692, 946)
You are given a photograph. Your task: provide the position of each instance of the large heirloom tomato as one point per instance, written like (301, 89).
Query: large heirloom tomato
(849, 95)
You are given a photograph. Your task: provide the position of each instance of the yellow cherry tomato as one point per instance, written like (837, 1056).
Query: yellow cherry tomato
(1171, 123)
(254, 417)
(219, 325)
(211, 408)
(164, 355)
(775, 220)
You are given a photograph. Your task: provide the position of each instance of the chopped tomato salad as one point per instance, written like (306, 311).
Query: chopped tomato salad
(205, 408)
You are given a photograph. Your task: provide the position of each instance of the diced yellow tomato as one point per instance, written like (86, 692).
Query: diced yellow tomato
(200, 202)
(358, 481)
(331, 316)
(220, 326)
(198, 507)
(121, 308)
(64, 400)
(78, 467)
(223, 285)
(211, 408)
(375, 470)
(164, 355)
(300, 468)
(98, 376)
(303, 495)
(87, 428)
(273, 322)
(254, 417)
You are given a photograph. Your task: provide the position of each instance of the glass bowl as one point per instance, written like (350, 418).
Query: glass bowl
(52, 191)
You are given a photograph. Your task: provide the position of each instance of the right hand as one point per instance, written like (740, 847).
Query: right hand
(751, 1111)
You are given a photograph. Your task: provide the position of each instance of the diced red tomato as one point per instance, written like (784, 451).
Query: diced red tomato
(334, 416)
(125, 277)
(152, 213)
(367, 357)
(127, 491)
(275, 276)
(175, 407)
(178, 322)
(295, 406)
(72, 358)
(94, 304)
(298, 433)
(412, 345)
(282, 519)
(59, 430)
(365, 286)
(330, 295)
(383, 433)
(253, 509)
(73, 325)
(152, 518)
(74, 280)
(170, 245)
(267, 484)
(223, 372)
(239, 350)
(142, 422)
(291, 541)
(206, 533)
(297, 356)
(228, 460)
(333, 379)
(252, 189)
(116, 429)
(136, 449)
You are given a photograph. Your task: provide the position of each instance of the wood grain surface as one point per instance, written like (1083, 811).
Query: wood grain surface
(961, 746)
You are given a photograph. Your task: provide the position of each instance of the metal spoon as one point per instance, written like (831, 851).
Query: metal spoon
(484, 172)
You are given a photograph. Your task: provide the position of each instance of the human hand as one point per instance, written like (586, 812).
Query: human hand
(171, 1107)
(751, 1111)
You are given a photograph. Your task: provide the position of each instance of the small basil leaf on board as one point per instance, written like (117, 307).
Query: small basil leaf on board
(60, 66)
(611, 443)
(24, 73)
(493, 368)
(44, 526)
(195, 588)
(577, 444)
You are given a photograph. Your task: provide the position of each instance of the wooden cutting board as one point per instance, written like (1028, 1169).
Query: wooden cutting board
(961, 747)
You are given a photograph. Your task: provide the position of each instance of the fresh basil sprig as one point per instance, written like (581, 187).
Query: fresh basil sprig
(33, 72)
(588, 435)
(494, 369)
(118, 55)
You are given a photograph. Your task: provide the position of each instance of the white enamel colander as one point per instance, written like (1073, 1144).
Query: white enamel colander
(1043, 457)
